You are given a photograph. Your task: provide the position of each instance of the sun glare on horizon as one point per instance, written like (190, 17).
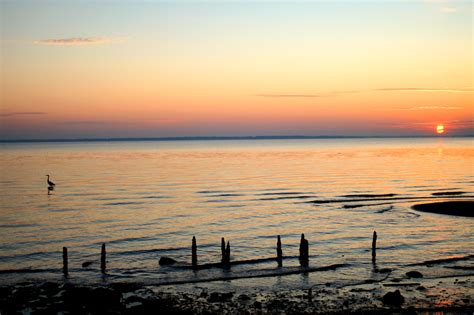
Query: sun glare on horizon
(440, 129)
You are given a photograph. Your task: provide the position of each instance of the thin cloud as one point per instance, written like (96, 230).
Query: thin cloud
(448, 9)
(10, 114)
(436, 107)
(425, 108)
(290, 95)
(83, 122)
(411, 89)
(339, 93)
(329, 94)
(78, 41)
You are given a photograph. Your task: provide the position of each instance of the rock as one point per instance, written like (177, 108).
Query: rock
(76, 296)
(105, 298)
(421, 288)
(49, 288)
(165, 261)
(244, 297)
(220, 297)
(257, 304)
(393, 298)
(87, 264)
(124, 287)
(414, 274)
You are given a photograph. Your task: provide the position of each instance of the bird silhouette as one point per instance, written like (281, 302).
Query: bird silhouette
(50, 183)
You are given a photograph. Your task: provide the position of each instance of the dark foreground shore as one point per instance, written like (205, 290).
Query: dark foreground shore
(449, 295)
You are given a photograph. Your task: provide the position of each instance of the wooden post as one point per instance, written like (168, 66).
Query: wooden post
(194, 258)
(65, 265)
(102, 259)
(304, 251)
(279, 253)
(374, 247)
(227, 254)
(223, 249)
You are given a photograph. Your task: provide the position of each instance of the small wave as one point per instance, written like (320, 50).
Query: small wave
(227, 195)
(211, 192)
(125, 203)
(354, 206)
(282, 193)
(219, 200)
(157, 197)
(18, 225)
(231, 206)
(443, 260)
(129, 239)
(429, 188)
(385, 209)
(286, 197)
(369, 195)
(448, 193)
(28, 270)
(393, 200)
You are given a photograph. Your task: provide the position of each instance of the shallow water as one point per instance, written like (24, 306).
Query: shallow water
(147, 199)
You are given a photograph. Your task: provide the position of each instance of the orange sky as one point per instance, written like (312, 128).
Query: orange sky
(217, 69)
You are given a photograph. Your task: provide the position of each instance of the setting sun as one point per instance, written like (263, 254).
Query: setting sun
(440, 129)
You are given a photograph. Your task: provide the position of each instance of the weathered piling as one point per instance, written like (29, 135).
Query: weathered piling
(374, 247)
(103, 259)
(223, 249)
(304, 252)
(65, 264)
(279, 253)
(194, 258)
(227, 254)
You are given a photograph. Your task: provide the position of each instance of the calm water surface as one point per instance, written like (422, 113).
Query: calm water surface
(147, 200)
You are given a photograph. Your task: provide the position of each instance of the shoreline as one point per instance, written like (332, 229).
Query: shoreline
(410, 294)
(134, 298)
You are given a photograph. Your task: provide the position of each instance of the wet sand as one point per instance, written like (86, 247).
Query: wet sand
(459, 208)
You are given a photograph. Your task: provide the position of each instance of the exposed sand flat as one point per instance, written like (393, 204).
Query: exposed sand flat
(460, 208)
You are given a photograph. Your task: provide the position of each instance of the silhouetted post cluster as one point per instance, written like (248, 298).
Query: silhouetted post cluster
(102, 259)
(304, 252)
(194, 258)
(279, 253)
(374, 247)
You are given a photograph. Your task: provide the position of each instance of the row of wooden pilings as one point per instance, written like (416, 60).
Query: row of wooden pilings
(225, 251)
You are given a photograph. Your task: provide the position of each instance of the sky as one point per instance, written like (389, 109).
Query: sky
(95, 69)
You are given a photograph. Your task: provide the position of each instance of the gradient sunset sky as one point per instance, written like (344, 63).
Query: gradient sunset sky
(87, 69)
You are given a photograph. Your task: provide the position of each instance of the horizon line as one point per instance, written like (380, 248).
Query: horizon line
(204, 138)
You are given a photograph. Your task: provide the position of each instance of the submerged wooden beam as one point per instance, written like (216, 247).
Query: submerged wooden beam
(264, 274)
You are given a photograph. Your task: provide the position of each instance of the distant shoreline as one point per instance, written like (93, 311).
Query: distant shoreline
(221, 138)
